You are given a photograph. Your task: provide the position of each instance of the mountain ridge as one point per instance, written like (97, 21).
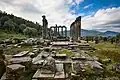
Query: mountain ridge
(85, 32)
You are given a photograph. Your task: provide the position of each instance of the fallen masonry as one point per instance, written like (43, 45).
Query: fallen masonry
(53, 57)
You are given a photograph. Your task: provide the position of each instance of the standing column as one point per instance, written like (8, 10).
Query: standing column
(62, 31)
(54, 31)
(45, 26)
(58, 32)
(65, 31)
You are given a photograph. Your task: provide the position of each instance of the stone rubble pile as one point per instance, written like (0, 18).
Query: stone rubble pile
(45, 59)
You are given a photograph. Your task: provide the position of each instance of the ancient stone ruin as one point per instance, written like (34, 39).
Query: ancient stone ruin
(58, 32)
(45, 27)
(75, 29)
(54, 58)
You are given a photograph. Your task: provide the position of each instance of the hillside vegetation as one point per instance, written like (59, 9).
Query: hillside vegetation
(11, 25)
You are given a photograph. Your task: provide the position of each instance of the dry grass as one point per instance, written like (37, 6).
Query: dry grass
(107, 50)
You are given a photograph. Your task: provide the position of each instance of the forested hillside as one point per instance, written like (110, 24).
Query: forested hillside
(10, 24)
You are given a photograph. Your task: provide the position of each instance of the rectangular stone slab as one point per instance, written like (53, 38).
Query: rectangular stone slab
(21, 54)
(3, 77)
(38, 75)
(60, 75)
(20, 60)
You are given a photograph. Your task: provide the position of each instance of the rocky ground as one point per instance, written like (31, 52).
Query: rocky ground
(76, 61)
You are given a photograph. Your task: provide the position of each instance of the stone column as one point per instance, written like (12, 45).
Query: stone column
(56, 30)
(45, 27)
(65, 31)
(62, 31)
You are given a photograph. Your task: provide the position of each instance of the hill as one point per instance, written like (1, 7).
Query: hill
(110, 33)
(10, 24)
(85, 32)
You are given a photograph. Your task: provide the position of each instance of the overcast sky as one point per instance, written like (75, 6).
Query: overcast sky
(101, 15)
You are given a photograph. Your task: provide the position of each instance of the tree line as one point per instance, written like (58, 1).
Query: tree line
(12, 24)
(98, 39)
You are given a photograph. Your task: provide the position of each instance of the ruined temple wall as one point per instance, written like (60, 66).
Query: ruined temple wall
(75, 29)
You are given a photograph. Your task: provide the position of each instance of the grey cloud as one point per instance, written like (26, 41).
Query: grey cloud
(9, 2)
(30, 8)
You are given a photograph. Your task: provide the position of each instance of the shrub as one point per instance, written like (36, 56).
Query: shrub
(30, 32)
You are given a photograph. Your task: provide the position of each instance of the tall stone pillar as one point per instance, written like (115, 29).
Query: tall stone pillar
(45, 27)
(56, 30)
(75, 29)
(65, 31)
(62, 31)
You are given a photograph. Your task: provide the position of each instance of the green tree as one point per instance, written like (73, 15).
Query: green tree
(39, 29)
(118, 39)
(118, 36)
(30, 32)
(22, 27)
(10, 26)
(4, 19)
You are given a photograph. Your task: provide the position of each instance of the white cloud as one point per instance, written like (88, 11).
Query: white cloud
(56, 11)
(88, 6)
(108, 19)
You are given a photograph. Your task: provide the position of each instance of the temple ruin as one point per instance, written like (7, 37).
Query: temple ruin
(75, 29)
(58, 32)
(44, 27)
(52, 57)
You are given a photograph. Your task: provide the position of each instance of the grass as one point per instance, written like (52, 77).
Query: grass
(66, 51)
(5, 35)
(107, 50)
(105, 45)
(17, 50)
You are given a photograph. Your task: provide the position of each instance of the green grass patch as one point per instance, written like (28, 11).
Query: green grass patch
(107, 50)
(66, 51)
(5, 35)
(105, 45)
(17, 50)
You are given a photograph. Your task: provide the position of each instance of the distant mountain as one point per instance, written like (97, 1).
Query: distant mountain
(95, 33)
(90, 32)
(110, 33)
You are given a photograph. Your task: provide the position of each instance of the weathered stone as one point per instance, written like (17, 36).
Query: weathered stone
(117, 67)
(2, 67)
(60, 56)
(96, 66)
(105, 61)
(14, 72)
(2, 63)
(56, 34)
(75, 29)
(78, 68)
(8, 41)
(32, 55)
(26, 61)
(59, 66)
(36, 59)
(39, 75)
(51, 64)
(16, 45)
(47, 49)
(45, 26)
(60, 76)
(21, 54)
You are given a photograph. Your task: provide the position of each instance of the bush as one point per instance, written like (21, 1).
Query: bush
(22, 27)
(30, 32)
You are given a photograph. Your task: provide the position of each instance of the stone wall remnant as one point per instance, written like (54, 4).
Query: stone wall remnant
(75, 29)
